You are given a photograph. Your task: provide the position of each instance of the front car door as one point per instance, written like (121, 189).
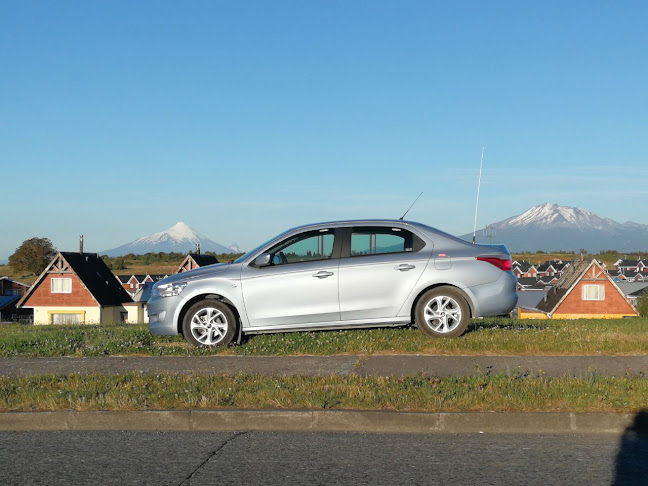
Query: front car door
(379, 267)
(299, 287)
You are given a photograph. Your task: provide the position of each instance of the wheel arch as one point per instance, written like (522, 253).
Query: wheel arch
(200, 297)
(471, 305)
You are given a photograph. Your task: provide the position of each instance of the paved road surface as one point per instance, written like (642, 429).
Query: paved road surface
(379, 365)
(156, 458)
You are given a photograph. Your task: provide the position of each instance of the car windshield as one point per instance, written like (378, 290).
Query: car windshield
(242, 258)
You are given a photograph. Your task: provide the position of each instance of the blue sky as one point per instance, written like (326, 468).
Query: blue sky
(119, 119)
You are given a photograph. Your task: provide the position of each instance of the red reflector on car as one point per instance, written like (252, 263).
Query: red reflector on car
(501, 263)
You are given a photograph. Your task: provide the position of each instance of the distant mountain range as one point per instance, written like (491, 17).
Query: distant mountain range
(550, 227)
(546, 227)
(178, 238)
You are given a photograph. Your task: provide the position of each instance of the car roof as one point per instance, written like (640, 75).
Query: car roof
(361, 222)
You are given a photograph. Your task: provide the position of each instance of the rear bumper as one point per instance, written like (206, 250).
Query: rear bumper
(497, 298)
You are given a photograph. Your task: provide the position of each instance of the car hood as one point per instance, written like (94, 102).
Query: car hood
(197, 273)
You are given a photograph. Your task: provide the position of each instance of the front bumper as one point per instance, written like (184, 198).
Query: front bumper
(161, 312)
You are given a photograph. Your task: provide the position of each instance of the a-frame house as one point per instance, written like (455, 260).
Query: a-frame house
(585, 290)
(196, 260)
(78, 288)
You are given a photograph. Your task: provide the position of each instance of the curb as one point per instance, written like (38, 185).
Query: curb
(328, 421)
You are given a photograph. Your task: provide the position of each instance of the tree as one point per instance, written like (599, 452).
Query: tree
(33, 255)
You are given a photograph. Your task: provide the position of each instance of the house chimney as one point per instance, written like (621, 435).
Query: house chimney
(81, 244)
(198, 248)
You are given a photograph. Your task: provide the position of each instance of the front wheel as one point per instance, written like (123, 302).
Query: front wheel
(442, 312)
(209, 323)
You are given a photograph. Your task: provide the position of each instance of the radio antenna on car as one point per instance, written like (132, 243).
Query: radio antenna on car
(405, 213)
(481, 163)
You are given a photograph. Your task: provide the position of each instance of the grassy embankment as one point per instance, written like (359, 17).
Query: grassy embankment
(510, 392)
(492, 336)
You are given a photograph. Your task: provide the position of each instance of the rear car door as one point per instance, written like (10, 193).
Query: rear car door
(380, 266)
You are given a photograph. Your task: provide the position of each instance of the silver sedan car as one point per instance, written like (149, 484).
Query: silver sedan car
(339, 275)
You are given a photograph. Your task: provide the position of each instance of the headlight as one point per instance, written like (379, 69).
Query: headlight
(170, 289)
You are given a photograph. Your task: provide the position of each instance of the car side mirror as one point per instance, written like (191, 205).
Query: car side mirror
(263, 260)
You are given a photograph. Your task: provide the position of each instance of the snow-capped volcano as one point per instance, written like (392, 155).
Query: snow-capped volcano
(551, 215)
(550, 227)
(179, 238)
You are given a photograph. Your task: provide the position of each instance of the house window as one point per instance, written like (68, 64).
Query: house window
(593, 292)
(67, 318)
(61, 285)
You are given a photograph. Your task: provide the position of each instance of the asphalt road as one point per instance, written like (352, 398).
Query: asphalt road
(168, 458)
(375, 365)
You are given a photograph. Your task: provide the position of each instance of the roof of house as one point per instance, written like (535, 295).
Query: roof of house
(13, 281)
(629, 263)
(563, 286)
(97, 278)
(524, 266)
(144, 293)
(527, 281)
(203, 260)
(123, 278)
(94, 275)
(640, 292)
(632, 288)
(545, 266)
(529, 299)
(561, 266)
(5, 300)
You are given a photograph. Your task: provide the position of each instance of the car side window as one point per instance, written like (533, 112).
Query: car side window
(305, 247)
(377, 241)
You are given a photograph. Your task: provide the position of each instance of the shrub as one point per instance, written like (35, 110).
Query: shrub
(642, 305)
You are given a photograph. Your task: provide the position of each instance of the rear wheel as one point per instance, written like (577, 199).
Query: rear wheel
(209, 323)
(442, 312)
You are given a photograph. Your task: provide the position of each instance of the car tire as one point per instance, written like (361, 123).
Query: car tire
(442, 312)
(209, 323)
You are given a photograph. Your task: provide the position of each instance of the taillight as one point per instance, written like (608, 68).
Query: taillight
(503, 264)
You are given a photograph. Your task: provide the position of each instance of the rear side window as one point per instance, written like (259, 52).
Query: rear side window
(377, 241)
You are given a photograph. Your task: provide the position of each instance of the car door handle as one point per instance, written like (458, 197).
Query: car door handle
(404, 267)
(323, 274)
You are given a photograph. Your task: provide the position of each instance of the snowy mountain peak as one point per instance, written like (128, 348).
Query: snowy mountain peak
(178, 238)
(179, 232)
(550, 227)
(552, 215)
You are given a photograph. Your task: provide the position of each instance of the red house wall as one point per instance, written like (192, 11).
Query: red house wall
(614, 302)
(42, 295)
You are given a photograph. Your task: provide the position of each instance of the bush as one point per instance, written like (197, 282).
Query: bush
(642, 305)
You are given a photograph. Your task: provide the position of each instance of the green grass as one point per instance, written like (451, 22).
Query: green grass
(512, 392)
(488, 336)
